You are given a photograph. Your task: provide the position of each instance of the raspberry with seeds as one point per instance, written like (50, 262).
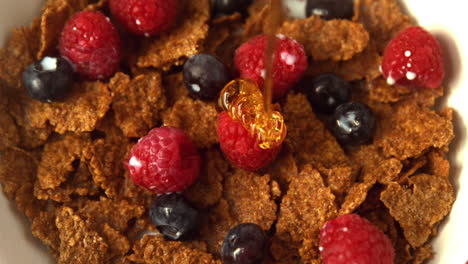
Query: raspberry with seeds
(352, 239)
(91, 42)
(414, 58)
(164, 161)
(289, 64)
(145, 17)
(240, 147)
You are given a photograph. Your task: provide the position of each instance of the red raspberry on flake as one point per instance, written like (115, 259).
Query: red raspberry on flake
(91, 43)
(164, 161)
(240, 147)
(352, 239)
(145, 17)
(413, 58)
(290, 62)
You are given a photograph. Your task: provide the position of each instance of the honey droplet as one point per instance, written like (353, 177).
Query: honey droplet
(243, 101)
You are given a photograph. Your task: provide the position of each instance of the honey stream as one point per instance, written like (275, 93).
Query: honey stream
(244, 102)
(273, 23)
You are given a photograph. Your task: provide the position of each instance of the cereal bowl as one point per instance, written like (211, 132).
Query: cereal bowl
(18, 245)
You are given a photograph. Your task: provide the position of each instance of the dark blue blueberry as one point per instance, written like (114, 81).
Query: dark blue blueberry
(353, 124)
(244, 244)
(174, 217)
(205, 76)
(326, 92)
(330, 9)
(227, 7)
(48, 79)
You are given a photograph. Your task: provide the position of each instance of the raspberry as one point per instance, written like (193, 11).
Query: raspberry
(290, 62)
(352, 239)
(91, 42)
(413, 58)
(240, 147)
(164, 161)
(145, 17)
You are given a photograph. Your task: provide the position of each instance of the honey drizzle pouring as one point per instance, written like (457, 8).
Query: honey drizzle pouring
(244, 102)
(273, 23)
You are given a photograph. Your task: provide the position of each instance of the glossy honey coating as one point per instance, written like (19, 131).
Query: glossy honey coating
(243, 101)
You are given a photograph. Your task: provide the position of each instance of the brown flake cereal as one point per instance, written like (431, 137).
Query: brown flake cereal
(184, 40)
(220, 30)
(133, 193)
(76, 4)
(78, 242)
(174, 87)
(61, 174)
(411, 129)
(381, 91)
(249, 198)
(237, 206)
(197, 118)
(137, 102)
(118, 243)
(43, 227)
(78, 183)
(93, 6)
(122, 260)
(30, 136)
(139, 228)
(54, 16)
(275, 190)
(339, 179)
(364, 65)
(438, 165)
(340, 39)
(413, 166)
(431, 195)
(105, 162)
(374, 166)
(402, 251)
(422, 254)
(256, 23)
(308, 138)
(383, 19)
(215, 224)
(257, 6)
(224, 37)
(426, 97)
(8, 129)
(19, 51)
(307, 205)
(357, 194)
(207, 190)
(381, 218)
(115, 214)
(17, 175)
(324, 40)
(155, 250)
(283, 169)
(57, 159)
(79, 112)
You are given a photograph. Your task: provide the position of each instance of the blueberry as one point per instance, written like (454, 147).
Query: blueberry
(205, 76)
(244, 244)
(325, 92)
(227, 7)
(353, 124)
(48, 79)
(330, 9)
(174, 217)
